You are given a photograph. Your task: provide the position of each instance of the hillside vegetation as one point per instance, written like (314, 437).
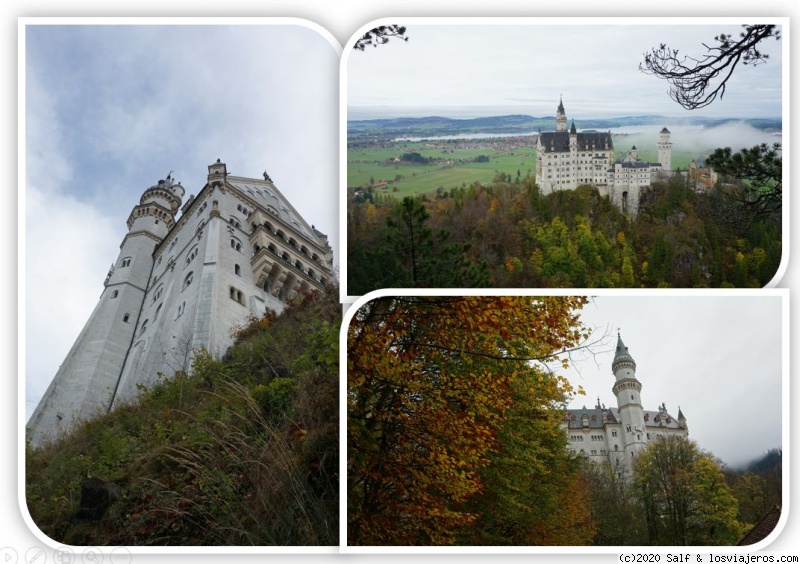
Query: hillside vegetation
(244, 451)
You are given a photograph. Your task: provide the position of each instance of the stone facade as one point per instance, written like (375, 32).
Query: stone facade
(617, 435)
(181, 283)
(568, 159)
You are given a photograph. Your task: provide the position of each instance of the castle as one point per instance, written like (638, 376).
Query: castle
(617, 435)
(237, 249)
(566, 160)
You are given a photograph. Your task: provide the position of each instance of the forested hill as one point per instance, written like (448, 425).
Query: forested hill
(245, 451)
(510, 235)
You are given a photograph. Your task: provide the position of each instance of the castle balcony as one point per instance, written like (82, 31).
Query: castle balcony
(273, 268)
(287, 248)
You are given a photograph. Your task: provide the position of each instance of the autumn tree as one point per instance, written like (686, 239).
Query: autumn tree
(684, 495)
(695, 82)
(431, 384)
(534, 493)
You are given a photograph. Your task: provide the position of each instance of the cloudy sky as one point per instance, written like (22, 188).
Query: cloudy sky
(469, 69)
(717, 357)
(111, 109)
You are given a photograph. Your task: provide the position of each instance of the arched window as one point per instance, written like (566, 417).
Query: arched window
(114, 294)
(236, 295)
(236, 244)
(192, 254)
(126, 317)
(158, 310)
(237, 270)
(125, 262)
(144, 326)
(188, 280)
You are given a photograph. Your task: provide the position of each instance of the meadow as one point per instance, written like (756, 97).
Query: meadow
(454, 166)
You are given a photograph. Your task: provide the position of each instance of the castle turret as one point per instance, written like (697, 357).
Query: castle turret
(665, 151)
(628, 389)
(561, 117)
(86, 381)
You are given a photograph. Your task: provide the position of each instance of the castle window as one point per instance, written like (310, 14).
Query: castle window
(114, 294)
(125, 262)
(236, 295)
(126, 317)
(613, 433)
(144, 326)
(188, 280)
(192, 255)
(237, 270)
(236, 244)
(158, 310)
(180, 309)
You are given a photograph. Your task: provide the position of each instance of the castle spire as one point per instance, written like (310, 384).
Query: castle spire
(561, 117)
(622, 356)
(572, 130)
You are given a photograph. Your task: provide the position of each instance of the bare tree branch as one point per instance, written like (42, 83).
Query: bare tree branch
(696, 83)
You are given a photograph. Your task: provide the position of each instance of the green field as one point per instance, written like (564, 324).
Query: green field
(365, 166)
(369, 166)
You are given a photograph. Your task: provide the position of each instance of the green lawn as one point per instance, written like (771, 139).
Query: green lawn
(366, 166)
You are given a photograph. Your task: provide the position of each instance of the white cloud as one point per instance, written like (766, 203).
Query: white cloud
(69, 247)
(457, 65)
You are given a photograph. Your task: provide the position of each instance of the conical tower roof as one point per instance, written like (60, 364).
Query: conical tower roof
(561, 106)
(572, 129)
(622, 356)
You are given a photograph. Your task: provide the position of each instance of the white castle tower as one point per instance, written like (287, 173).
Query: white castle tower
(238, 249)
(615, 435)
(665, 152)
(629, 403)
(561, 117)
